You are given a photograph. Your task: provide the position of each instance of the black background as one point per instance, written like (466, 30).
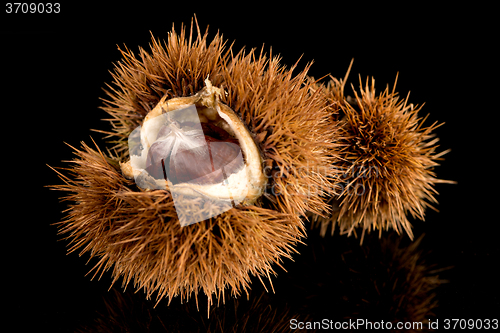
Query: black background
(55, 65)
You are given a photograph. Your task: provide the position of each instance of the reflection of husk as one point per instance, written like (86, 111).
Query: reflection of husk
(386, 161)
(335, 279)
(339, 279)
(137, 233)
(129, 312)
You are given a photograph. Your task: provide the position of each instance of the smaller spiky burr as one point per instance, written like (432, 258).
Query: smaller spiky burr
(386, 161)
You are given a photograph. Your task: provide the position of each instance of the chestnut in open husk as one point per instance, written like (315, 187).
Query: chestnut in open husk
(198, 146)
(210, 162)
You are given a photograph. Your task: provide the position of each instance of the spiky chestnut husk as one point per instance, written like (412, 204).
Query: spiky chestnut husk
(137, 233)
(387, 158)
